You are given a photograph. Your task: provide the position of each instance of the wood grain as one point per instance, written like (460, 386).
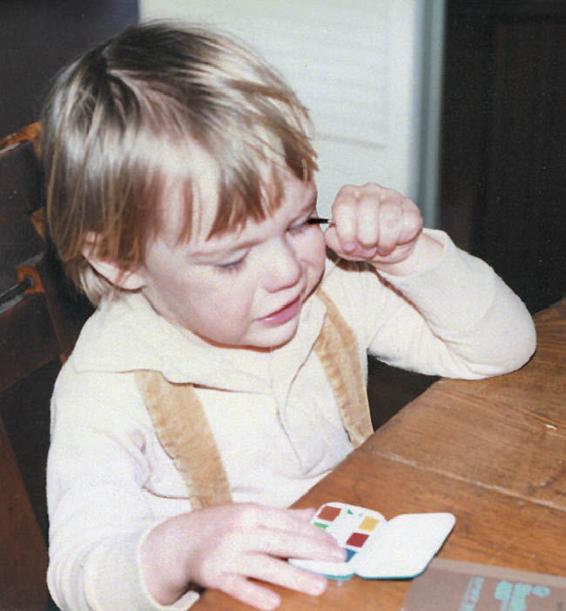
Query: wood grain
(492, 452)
(23, 561)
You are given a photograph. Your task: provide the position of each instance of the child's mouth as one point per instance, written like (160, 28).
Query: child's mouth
(285, 314)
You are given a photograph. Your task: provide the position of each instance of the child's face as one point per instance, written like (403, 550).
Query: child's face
(240, 289)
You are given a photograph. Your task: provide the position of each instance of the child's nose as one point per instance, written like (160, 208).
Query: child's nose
(283, 268)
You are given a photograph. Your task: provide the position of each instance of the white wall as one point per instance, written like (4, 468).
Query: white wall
(354, 63)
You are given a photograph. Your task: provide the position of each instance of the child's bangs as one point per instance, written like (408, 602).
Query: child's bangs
(250, 181)
(246, 192)
(242, 194)
(132, 178)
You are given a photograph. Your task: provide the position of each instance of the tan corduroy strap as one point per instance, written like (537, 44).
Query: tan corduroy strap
(336, 348)
(184, 432)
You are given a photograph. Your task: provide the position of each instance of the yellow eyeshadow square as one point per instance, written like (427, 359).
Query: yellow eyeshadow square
(368, 524)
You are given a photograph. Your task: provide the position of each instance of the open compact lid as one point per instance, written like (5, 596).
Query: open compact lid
(403, 546)
(375, 548)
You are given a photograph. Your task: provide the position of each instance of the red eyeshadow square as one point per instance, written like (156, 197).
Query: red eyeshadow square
(328, 513)
(357, 539)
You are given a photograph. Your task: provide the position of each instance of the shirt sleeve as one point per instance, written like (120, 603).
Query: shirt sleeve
(98, 513)
(457, 319)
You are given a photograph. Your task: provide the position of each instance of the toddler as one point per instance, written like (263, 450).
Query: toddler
(223, 372)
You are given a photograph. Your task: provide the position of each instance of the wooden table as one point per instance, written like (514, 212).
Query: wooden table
(493, 452)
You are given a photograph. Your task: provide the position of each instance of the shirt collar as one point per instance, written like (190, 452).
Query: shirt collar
(125, 334)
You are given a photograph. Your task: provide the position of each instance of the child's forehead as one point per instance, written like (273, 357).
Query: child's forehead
(192, 180)
(296, 200)
(192, 199)
(252, 232)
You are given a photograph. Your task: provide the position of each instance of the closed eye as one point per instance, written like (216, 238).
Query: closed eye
(231, 266)
(303, 225)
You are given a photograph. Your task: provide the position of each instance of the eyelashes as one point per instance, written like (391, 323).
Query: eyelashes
(233, 267)
(319, 220)
(312, 221)
(298, 229)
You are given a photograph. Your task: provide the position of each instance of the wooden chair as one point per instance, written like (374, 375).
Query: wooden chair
(40, 317)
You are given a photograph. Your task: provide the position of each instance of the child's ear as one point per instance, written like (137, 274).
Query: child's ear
(109, 269)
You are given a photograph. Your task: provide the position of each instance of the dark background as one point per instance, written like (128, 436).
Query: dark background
(503, 142)
(503, 169)
(38, 37)
(502, 197)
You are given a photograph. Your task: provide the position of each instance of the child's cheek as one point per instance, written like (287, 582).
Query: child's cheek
(315, 248)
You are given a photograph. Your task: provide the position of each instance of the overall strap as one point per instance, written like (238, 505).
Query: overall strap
(336, 348)
(184, 432)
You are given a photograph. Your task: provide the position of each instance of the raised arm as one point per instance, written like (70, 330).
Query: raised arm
(432, 307)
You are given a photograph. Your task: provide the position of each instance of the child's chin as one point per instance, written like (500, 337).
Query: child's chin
(275, 338)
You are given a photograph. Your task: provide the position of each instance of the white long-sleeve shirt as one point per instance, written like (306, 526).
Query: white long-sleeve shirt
(273, 415)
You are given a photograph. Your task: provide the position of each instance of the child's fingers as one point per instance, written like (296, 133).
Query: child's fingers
(254, 531)
(412, 221)
(304, 514)
(280, 532)
(390, 221)
(248, 592)
(310, 545)
(287, 533)
(368, 213)
(290, 521)
(364, 217)
(333, 241)
(344, 212)
(281, 573)
(374, 224)
(272, 571)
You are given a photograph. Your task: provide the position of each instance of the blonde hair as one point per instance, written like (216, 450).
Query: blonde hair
(112, 112)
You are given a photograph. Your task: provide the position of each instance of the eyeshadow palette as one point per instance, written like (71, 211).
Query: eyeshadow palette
(376, 548)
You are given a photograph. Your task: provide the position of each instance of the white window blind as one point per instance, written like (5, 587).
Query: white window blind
(351, 63)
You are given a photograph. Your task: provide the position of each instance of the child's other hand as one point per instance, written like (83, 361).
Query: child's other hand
(223, 547)
(382, 227)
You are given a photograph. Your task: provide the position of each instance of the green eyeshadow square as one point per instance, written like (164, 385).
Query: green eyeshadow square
(320, 525)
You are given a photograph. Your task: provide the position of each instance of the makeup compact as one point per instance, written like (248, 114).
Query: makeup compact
(377, 548)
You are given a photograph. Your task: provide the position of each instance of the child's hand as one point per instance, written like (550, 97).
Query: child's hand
(381, 226)
(222, 547)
